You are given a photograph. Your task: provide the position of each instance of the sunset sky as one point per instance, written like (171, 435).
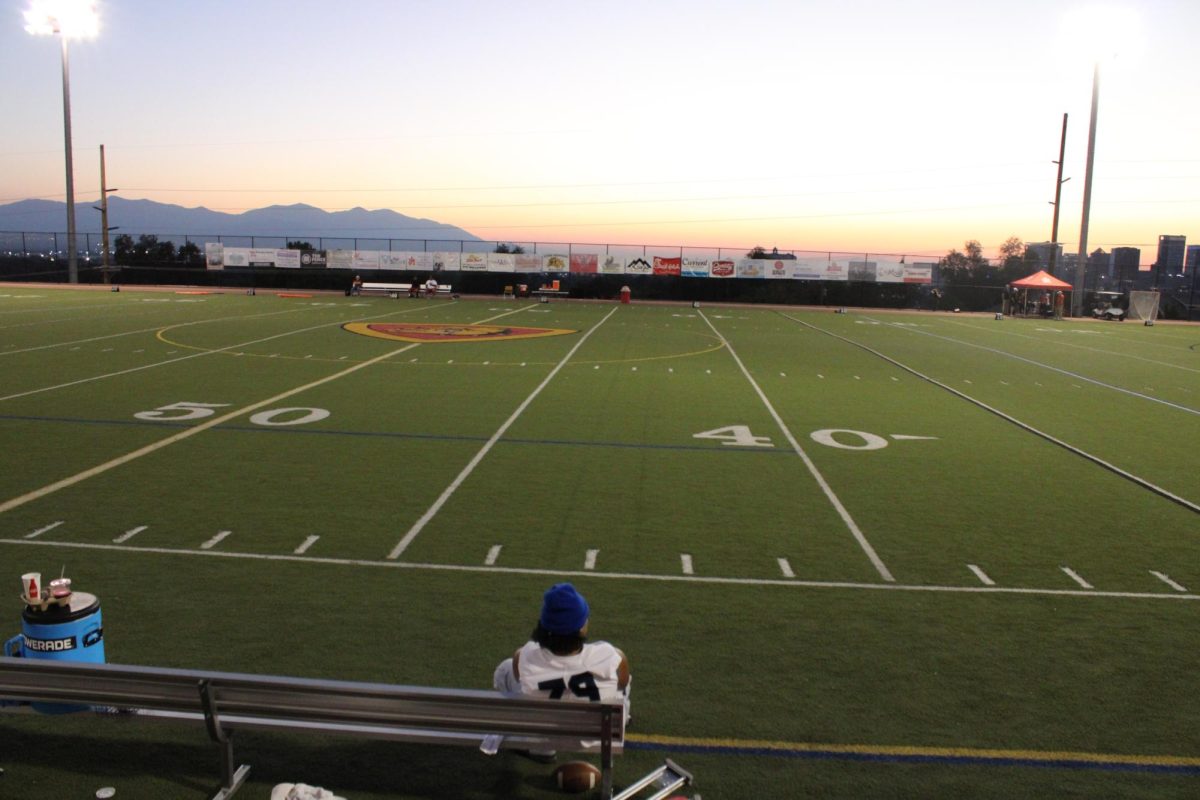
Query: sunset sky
(841, 125)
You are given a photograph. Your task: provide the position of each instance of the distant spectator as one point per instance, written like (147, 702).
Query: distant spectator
(414, 288)
(356, 285)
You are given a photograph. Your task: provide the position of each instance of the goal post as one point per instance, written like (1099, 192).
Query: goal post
(1143, 305)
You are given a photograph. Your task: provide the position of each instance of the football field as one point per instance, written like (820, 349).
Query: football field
(854, 555)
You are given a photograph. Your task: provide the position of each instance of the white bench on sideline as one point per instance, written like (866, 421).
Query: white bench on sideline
(397, 289)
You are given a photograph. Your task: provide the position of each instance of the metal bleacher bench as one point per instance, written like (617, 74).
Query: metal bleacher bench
(397, 289)
(228, 701)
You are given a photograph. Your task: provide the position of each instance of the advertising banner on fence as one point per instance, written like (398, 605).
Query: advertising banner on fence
(501, 262)
(364, 259)
(809, 269)
(584, 263)
(446, 262)
(237, 256)
(667, 266)
(918, 273)
(214, 255)
(722, 269)
(287, 259)
(749, 268)
(889, 272)
(339, 259)
(555, 262)
(473, 262)
(835, 271)
(612, 265)
(312, 258)
(526, 262)
(777, 268)
(693, 267)
(861, 271)
(638, 266)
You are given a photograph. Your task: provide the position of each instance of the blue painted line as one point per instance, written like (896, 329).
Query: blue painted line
(408, 436)
(901, 758)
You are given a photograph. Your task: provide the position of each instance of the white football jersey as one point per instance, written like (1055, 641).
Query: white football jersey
(589, 675)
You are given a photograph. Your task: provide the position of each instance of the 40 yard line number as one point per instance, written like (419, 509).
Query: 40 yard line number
(840, 438)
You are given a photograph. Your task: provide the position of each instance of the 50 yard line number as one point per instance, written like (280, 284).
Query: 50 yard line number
(186, 411)
(741, 436)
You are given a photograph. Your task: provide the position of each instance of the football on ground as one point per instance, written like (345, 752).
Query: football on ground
(577, 776)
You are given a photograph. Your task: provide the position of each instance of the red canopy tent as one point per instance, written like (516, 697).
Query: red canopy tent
(1038, 280)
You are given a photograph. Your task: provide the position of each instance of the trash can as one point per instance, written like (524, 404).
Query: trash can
(626, 295)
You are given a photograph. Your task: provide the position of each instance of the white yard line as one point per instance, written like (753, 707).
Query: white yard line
(808, 462)
(79, 477)
(1073, 575)
(212, 423)
(307, 543)
(589, 560)
(629, 576)
(190, 356)
(1060, 342)
(40, 531)
(983, 577)
(216, 540)
(155, 329)
(1025, 360)
(449, 491)
(493, 555)
(1145, 484)
(129, 534)
(685, 563)
(1165, 579)
(785, 567)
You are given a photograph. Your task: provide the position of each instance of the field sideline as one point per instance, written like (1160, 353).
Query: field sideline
(859, 555)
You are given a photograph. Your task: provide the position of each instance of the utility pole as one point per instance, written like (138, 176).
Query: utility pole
(104, 229)
(1062, 149)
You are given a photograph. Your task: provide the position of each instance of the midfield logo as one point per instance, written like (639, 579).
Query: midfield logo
(431, 333)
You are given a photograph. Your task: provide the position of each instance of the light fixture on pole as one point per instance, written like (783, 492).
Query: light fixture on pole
(68, 19)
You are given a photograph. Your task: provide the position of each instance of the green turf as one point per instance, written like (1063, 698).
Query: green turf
(603, 458)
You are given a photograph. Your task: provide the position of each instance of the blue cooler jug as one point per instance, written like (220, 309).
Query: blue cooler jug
(61, 631)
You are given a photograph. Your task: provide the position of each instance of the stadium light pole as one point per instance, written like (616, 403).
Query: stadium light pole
(67, 18)
(1081, 265)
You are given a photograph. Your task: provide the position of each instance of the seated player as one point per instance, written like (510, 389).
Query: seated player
(559, 663)
(431, 287)
(414, 288)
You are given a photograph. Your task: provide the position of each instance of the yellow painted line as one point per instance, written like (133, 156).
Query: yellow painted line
(917, 751)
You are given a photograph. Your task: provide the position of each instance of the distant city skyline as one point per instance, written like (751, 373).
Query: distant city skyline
(827, 126)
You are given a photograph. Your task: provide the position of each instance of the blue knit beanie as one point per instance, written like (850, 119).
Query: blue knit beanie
(564, 611)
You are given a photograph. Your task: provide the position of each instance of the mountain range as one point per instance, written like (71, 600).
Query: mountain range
(298, 221)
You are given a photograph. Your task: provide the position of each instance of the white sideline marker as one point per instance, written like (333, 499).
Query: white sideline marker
(685, 561)
(785, 568)
(40, 531)
(129, 534)
(1073, 575)
(214, 541)
(307, 543)
(589, 561)
(492, 556)
(983, 577)
(1168, 581)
